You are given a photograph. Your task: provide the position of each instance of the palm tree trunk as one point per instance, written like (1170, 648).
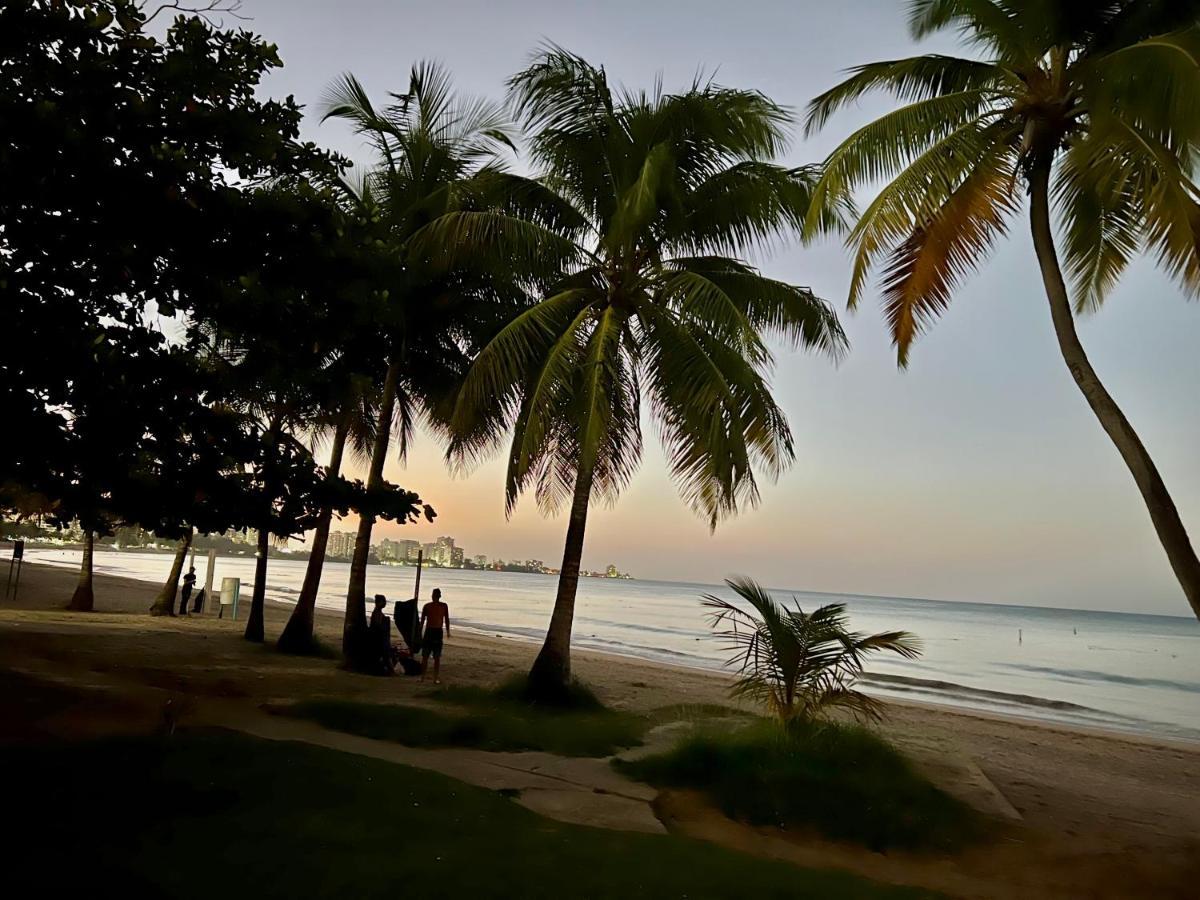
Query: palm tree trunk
(551, 672)
(1163, 514)
(254, 624)
(164, 604)
(83, 600)
(354, 627)
(297, 635)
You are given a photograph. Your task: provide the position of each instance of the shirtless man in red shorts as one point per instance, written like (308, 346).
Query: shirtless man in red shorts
(435, 619)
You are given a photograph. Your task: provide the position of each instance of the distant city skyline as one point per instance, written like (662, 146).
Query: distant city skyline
(444, 552)
(978, 474)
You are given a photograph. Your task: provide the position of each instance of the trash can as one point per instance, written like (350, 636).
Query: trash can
(230, 589)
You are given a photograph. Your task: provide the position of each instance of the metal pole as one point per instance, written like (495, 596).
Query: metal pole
(17, 583)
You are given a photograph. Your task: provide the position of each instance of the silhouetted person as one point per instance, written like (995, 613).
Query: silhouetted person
(198, 603)
(381, 634)
(189, 582)
(435, 618)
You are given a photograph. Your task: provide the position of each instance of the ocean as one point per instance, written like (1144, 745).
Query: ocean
(1125, 672)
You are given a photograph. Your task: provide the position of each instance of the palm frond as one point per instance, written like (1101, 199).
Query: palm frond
(1101, 219)
(922, 272)
(915, 80)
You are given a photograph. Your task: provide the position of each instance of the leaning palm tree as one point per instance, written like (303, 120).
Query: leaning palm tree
(801, 665)
(632, 238)
(436, 153)
(346, 423)
(1089, 109)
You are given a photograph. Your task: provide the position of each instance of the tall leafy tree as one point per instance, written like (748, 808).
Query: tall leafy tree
(633, 238)
(433, 149)
(1090, 109)
(126, 171)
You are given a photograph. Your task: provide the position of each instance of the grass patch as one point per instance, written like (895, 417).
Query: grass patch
(485, 720)
(700, 712)
(314, 647)
(223, 815)
(574, 696)
(844, 781)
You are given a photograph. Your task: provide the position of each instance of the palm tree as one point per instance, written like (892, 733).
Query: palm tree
(297, 635)
(83, 599)
(632, 237)
(435, 153)
(802, 665)
(164, 604)
(1089, 107)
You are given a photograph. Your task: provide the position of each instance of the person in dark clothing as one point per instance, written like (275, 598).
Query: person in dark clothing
(198, 603)
(381, 635)
(189, 582)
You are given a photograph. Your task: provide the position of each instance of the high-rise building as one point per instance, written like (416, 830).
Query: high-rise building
(444, 551)
(612, 572)
(388, 550)
(341, 544)
(456, 557)
(429, 551)
(412, 549)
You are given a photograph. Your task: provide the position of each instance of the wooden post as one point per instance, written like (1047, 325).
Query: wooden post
(417, 586)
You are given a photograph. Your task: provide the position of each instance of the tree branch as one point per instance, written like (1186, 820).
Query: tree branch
(212, 11)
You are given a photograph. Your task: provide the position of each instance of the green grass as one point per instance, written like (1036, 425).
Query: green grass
(205, 815)
(515, 692)
(486, 720)
(844, 781)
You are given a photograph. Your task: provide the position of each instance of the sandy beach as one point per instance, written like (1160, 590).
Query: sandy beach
(1087, 813)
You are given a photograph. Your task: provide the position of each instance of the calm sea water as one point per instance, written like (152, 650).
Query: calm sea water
(1112, 670)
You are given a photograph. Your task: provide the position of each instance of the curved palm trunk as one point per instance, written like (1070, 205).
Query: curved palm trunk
(551, 672)
(164, 604)
(1163, 514)
(355, 625)
(297, 635)
(83, 600)
(254, 624)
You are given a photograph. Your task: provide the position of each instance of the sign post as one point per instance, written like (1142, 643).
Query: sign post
(230, 589)
(18, 556)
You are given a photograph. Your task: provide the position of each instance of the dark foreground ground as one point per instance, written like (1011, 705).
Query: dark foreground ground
(216, 814)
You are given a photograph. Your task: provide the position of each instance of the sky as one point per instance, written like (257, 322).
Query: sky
(978, 474)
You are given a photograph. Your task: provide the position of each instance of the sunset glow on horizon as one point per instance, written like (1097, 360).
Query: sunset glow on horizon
(978, 474)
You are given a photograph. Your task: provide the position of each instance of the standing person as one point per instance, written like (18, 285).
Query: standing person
(435, 620)
(189, 582)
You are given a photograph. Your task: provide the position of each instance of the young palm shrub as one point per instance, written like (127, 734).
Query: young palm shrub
(804, 769)
(802, 666)
(632, 238)
(1087, 108)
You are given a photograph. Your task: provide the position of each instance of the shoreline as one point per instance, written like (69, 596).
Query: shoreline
(295, 557)
(935, 693)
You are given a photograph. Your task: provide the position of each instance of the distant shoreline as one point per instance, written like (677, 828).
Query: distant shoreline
(833, 595)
